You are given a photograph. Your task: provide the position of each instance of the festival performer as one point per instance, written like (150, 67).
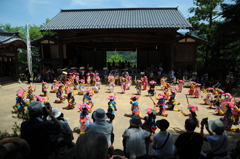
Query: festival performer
(228, 118)
(209, 98)
(97, 84)
(30, 95)
(236, 110)
(217, 99)
(19, 102)
(166, 91)
(87, 98)
(123, 85)
(93, 78)
(54, 86)
(192, 114)
(145, 82)
(112, 108)
(135, 107)
(71, 100)
(192, 88)
(111, 81)
(223, 108)
(172, 101)
(75, 80)
(85, 119)
(180, 85)
(197, 91)
(163, 83)
(128, 82)
(81, 86)
(162, 105)
(59, 95)
(151, 90)
(138, 86)
(229, 82)
(88, 79)
(149, 123)
(44, 89)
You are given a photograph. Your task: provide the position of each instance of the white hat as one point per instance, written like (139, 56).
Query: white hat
(64, 72)
(216, 126)
(81, 67)
(100, 114)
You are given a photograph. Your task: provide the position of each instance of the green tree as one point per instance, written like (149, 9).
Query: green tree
(204, 21)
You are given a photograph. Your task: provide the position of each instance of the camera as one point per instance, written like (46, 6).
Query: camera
(205, 120)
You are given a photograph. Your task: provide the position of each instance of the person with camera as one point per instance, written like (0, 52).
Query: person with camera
(189, 144)
(36, 131)
(218, 141)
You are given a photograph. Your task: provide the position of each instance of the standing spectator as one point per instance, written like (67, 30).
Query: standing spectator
(136, 139)
(34, 74)
(105, 75)
(229, 83)
(27, 75)
(179, 74)
(171, 76)
(36, 131)
(151, 75)
(101, 125)
(162, 141)
(194, 75)
(185, 75)
(218, 142)
(189, 144)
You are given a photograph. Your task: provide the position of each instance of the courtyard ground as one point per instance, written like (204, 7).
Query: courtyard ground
(121, 121)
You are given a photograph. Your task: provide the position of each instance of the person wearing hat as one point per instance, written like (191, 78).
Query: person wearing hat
(101, 125)
(36, 131)
(218, 141)
(136, 139)
(162, 141)
(189, 144)
(229, 82)
(105, 75)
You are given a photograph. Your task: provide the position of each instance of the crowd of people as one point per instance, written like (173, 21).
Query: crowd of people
(47, 132)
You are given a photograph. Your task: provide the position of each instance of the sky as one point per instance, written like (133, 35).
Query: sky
(17, 12)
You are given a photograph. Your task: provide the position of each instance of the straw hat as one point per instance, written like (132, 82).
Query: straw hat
(90, 68)
(81, 67)
(64, 72)
(105, 68)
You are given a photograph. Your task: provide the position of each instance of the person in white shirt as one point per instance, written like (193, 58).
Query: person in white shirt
(162, 141)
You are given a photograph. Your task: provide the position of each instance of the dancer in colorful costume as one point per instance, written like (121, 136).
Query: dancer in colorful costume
(111, 81)
(162, 105)
(88, 79)
(192, 114)
(59, 95)
(135, 107)
(30, 95)
(166, 91)
(172, 101)
(44, 89)
(138, 86)
(149, 123)
(209, 98)
(85, 119)
(197, 91)
(223, 108)
(236, 110)
(151, 90)
(19, 102)
(54, 86)
(81, 86)
(71, 100)
(87, 98)
(145, 82)
(228, 118)
(123, 85)
(128, 82)
(192, 88)
(97, 84)
(180, 85)
(111, 108)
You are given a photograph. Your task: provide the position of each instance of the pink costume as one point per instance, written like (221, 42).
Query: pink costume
(123, 86)
(191, 91)
(88, 78)
(180, 85)
(145, 82)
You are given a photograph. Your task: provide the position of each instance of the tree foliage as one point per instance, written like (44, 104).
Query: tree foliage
(116, 56)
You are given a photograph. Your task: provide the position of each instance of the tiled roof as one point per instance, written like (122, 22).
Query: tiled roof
(118, 18)
(8, 37)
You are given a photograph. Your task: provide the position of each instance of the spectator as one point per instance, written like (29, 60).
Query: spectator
(194, 75)
(179, 74)
(13, 147)
(136, 139)
(229, 83)
(185, 75)
(101, 125)
(27, 73)
(36, 131)
(218, 142)
(162, 142)
(189, 144)
(236, 152)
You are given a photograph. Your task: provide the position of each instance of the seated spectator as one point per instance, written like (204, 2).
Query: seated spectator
(100, 125)
(92, 145)
(236, 152)
(218, 142)
(13, 147)
(189, 144)
(36, 131)
(67, 134)
(136, 139)
(162, 141)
